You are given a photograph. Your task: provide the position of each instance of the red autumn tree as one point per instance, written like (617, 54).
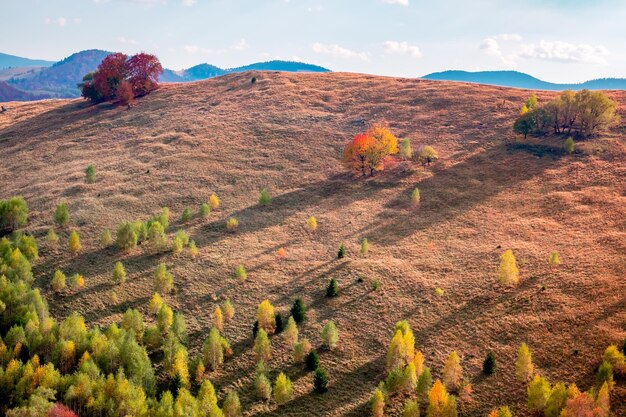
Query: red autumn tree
(143, 73)
(122, 78)
(59, 410)
(368, 150)
(355, 153)
(110, 72)
(124, 92)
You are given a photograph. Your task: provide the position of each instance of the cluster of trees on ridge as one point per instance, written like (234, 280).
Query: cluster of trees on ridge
(122, 78)
(583, 113)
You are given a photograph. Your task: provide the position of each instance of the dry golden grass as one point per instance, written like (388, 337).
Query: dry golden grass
(285, 133)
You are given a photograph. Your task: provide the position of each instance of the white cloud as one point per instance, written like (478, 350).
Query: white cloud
(338, 51)
(60, 21)
(126, 41)
(399, 2)
(240, 46)
(565, 52)
(189, 2)
(401, 48)
(492, 47)
(509, 37)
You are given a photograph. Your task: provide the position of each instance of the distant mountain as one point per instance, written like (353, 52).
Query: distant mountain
(60, 79)
(10, 93)
(12, 61)
(520, 80)
(204, 71)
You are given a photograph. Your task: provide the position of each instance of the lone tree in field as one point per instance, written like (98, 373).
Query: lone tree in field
(489, 364)
(367, 151)
(283, 390)
(106, 239)
(74, 243)
(61, 215)
(332, 290)
(452, 372)
(568, 145)
(312, 361)
(90, 174)
(365, 246)
(58, 281)
(13, 214)
(415, 196)
(266, 317)
(214, 202)
(524, 366)
(508, 273)
(555, 258)
(119, 274)
(163, 279)
(312, 224)
(228, 310)
(264, 197)
(232, 224)
(218, 319)
(240, 273)
(427, 155)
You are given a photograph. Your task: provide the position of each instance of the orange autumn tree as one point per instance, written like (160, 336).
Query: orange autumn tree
(368, 150)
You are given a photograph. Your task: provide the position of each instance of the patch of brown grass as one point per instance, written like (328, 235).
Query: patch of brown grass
(487, 193)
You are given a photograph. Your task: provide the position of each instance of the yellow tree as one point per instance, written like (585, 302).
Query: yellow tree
(384, 143)
(290, 334)
(218, 319)
(508, 272)
(214, 202)
(378, 403)
(74, 243)
(265, 317)
(452, 372)
(524, 366)
(283, 389)
(538, 393)
(262, 348)
(228, 310)
(437, 400)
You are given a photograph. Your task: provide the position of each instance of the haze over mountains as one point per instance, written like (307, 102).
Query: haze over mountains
(23, 79)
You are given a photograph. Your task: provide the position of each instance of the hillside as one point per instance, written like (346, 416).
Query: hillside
(286, 133)
(12, 61)
(10, 93)
(520, 80)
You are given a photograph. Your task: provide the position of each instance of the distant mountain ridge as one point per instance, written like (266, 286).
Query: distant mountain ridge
(518, 79)
(12, 61)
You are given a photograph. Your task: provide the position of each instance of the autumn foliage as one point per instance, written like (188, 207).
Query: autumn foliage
(367, 151)
(119, 77)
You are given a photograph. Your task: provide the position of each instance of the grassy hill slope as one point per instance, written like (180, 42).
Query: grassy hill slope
(286, 133)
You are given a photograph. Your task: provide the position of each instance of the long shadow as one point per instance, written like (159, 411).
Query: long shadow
(452, 191)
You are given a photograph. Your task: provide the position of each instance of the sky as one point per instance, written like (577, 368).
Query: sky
(555, 40)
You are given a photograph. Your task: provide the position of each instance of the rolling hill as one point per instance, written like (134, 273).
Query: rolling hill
(488, 192)
(520, 80)
(12, 61)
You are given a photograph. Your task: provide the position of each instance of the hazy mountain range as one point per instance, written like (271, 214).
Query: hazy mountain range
(31, 79)
(520, 80)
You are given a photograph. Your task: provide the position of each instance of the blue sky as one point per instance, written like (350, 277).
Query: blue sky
(556, 40)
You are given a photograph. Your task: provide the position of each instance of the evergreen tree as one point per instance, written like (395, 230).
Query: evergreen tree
(283, 390)
(212, 351)
(186, 215)
(524, 366)
(266, 317)
(298, 310)
(556, 400)
(218, 319)
(330, 335)
(58, 281)
(279, 323)
(263, 387)
(508, 272)
(452, 372)
(214, 202)
(312, 360)
(119, 274)
(61, 215)
(406, 152)
(538, 393)
(489, 364)
(205, 210)
(605, 374)
(424, 384)
(365, 247)
(264, 197)
(240, 273)
(320, 381)
(106, 239)
(262, 348)
(74, 243)
(231, 406)
(342, 251)
(332, 290)
(90, 174)
(378, 403)
(163, 279)
(411, 409)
